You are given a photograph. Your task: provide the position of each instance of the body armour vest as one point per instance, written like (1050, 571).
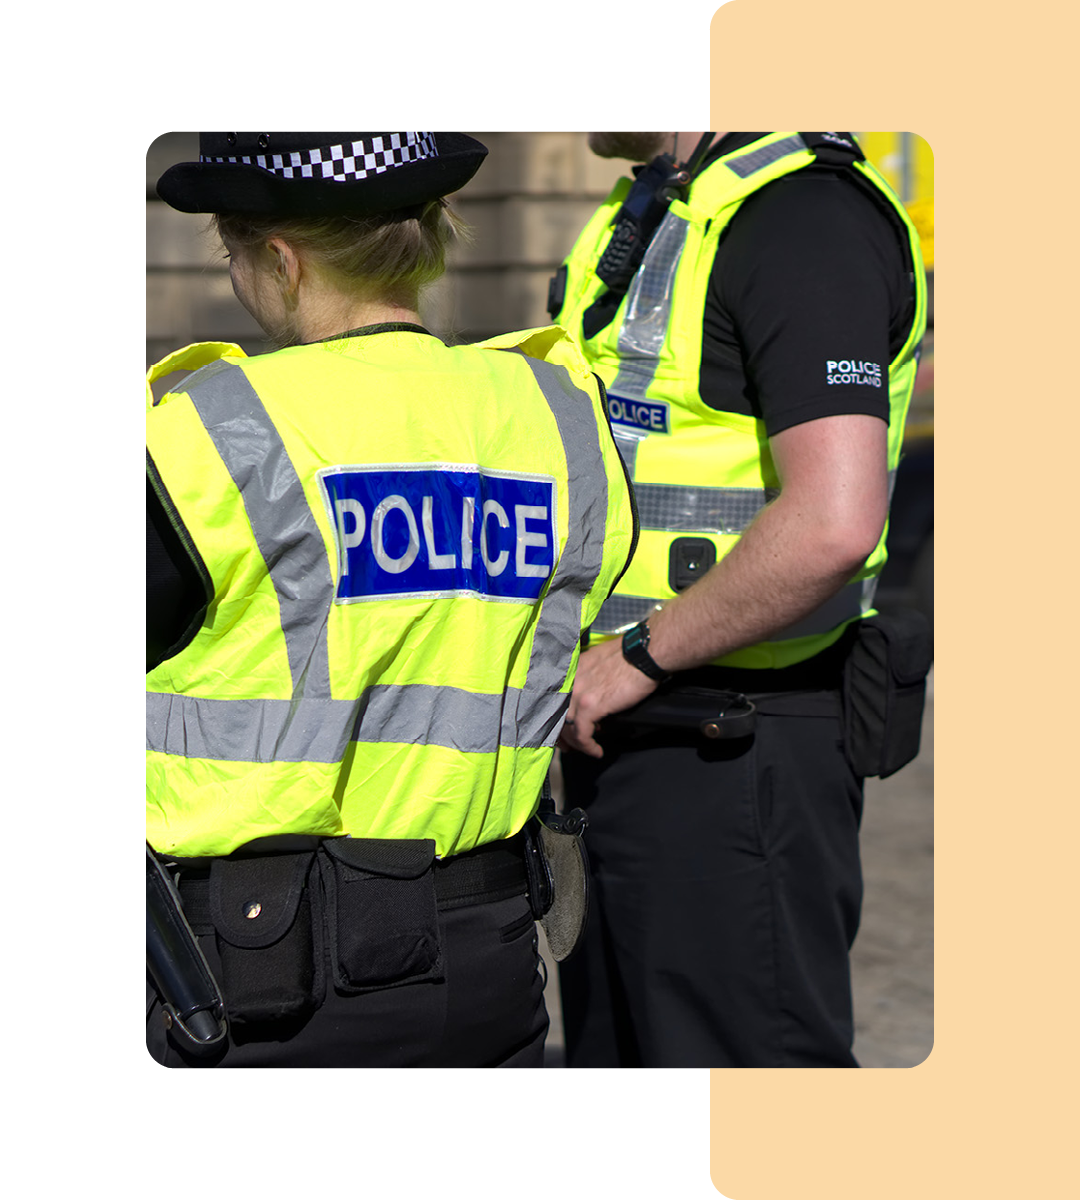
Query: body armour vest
(701, 474)
(402, 542)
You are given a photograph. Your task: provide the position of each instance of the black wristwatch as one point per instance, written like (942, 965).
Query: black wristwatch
(635, 648)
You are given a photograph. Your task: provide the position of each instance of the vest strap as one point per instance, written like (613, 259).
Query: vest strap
(833, 149)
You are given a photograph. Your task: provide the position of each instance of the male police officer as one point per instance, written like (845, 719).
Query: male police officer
(758, 363)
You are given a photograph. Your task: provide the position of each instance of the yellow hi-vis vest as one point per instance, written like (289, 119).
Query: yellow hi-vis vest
(698, 472)
(404, 541)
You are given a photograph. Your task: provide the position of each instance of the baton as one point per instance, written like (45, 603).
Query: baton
(189, 993)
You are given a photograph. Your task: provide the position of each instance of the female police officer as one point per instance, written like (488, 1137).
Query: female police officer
(371, 557)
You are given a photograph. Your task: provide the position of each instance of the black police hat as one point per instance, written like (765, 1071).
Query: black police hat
(320, 174)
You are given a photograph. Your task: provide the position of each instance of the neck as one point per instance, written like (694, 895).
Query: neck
(318, 327)
(685, 143)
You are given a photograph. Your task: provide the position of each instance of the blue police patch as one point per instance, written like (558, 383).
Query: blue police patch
(440, 530)
(645, 416)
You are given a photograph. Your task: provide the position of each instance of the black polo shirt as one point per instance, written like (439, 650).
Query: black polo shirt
(808, 301)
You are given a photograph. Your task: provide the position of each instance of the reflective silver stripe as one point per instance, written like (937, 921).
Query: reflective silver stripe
(249, 730)
(627, 445)
(266, 731)
(281, 519)
(313, 727)
(844, 606)
(676, 509)
(620, 612)
(757, 160)
(648, 301)
(558, 630)
(648, 310)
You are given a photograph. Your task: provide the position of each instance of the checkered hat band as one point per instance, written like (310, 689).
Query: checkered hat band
(345, 164)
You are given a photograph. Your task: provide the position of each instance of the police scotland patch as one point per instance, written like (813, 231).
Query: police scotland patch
(440, 530)
(851, 370)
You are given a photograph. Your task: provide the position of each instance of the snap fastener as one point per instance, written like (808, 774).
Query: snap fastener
(252, 909)
(264, 140)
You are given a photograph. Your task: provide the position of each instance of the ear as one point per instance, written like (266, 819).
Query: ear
(286, 265)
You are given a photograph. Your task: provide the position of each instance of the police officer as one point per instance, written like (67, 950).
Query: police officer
(370, 558)
(759, 363)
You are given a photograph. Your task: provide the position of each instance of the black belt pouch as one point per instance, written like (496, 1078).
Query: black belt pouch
(382, 914)
(885, 691)
(266, 935)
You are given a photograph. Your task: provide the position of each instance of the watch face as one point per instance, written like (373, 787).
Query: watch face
(634, 647)
(636, 637)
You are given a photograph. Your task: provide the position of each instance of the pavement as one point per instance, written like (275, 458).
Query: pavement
(892, 962)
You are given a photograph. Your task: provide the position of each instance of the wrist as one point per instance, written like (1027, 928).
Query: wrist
(635, 650)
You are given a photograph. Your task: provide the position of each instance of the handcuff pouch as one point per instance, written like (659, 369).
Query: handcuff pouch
(558, 877)
(261, 909)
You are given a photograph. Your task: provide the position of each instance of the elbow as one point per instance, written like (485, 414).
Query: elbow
(843, 536)
(853, 540)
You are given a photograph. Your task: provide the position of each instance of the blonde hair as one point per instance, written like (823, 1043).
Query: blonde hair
(393, 255)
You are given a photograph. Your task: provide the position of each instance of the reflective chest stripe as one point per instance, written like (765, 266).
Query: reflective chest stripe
(313, 726)
(648, 310)
(672, 508)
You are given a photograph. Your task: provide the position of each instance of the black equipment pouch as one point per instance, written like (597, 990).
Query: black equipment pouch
(558, 874)
(267, 922)
(382, 913)
(885, 690)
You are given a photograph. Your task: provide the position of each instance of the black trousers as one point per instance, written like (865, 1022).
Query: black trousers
(487, 1011)
(726, 889)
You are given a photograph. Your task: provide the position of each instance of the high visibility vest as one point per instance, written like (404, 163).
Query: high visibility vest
(698, 472)
(403, 542)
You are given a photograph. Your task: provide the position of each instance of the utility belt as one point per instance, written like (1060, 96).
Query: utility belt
(873, 680)
(292, 915)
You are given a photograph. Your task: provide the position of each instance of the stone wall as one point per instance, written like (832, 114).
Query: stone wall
(525, 207)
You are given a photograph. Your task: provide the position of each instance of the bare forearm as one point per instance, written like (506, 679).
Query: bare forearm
(798, 551)
(781, 569)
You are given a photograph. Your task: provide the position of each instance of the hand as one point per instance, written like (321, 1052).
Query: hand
(605, 683)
